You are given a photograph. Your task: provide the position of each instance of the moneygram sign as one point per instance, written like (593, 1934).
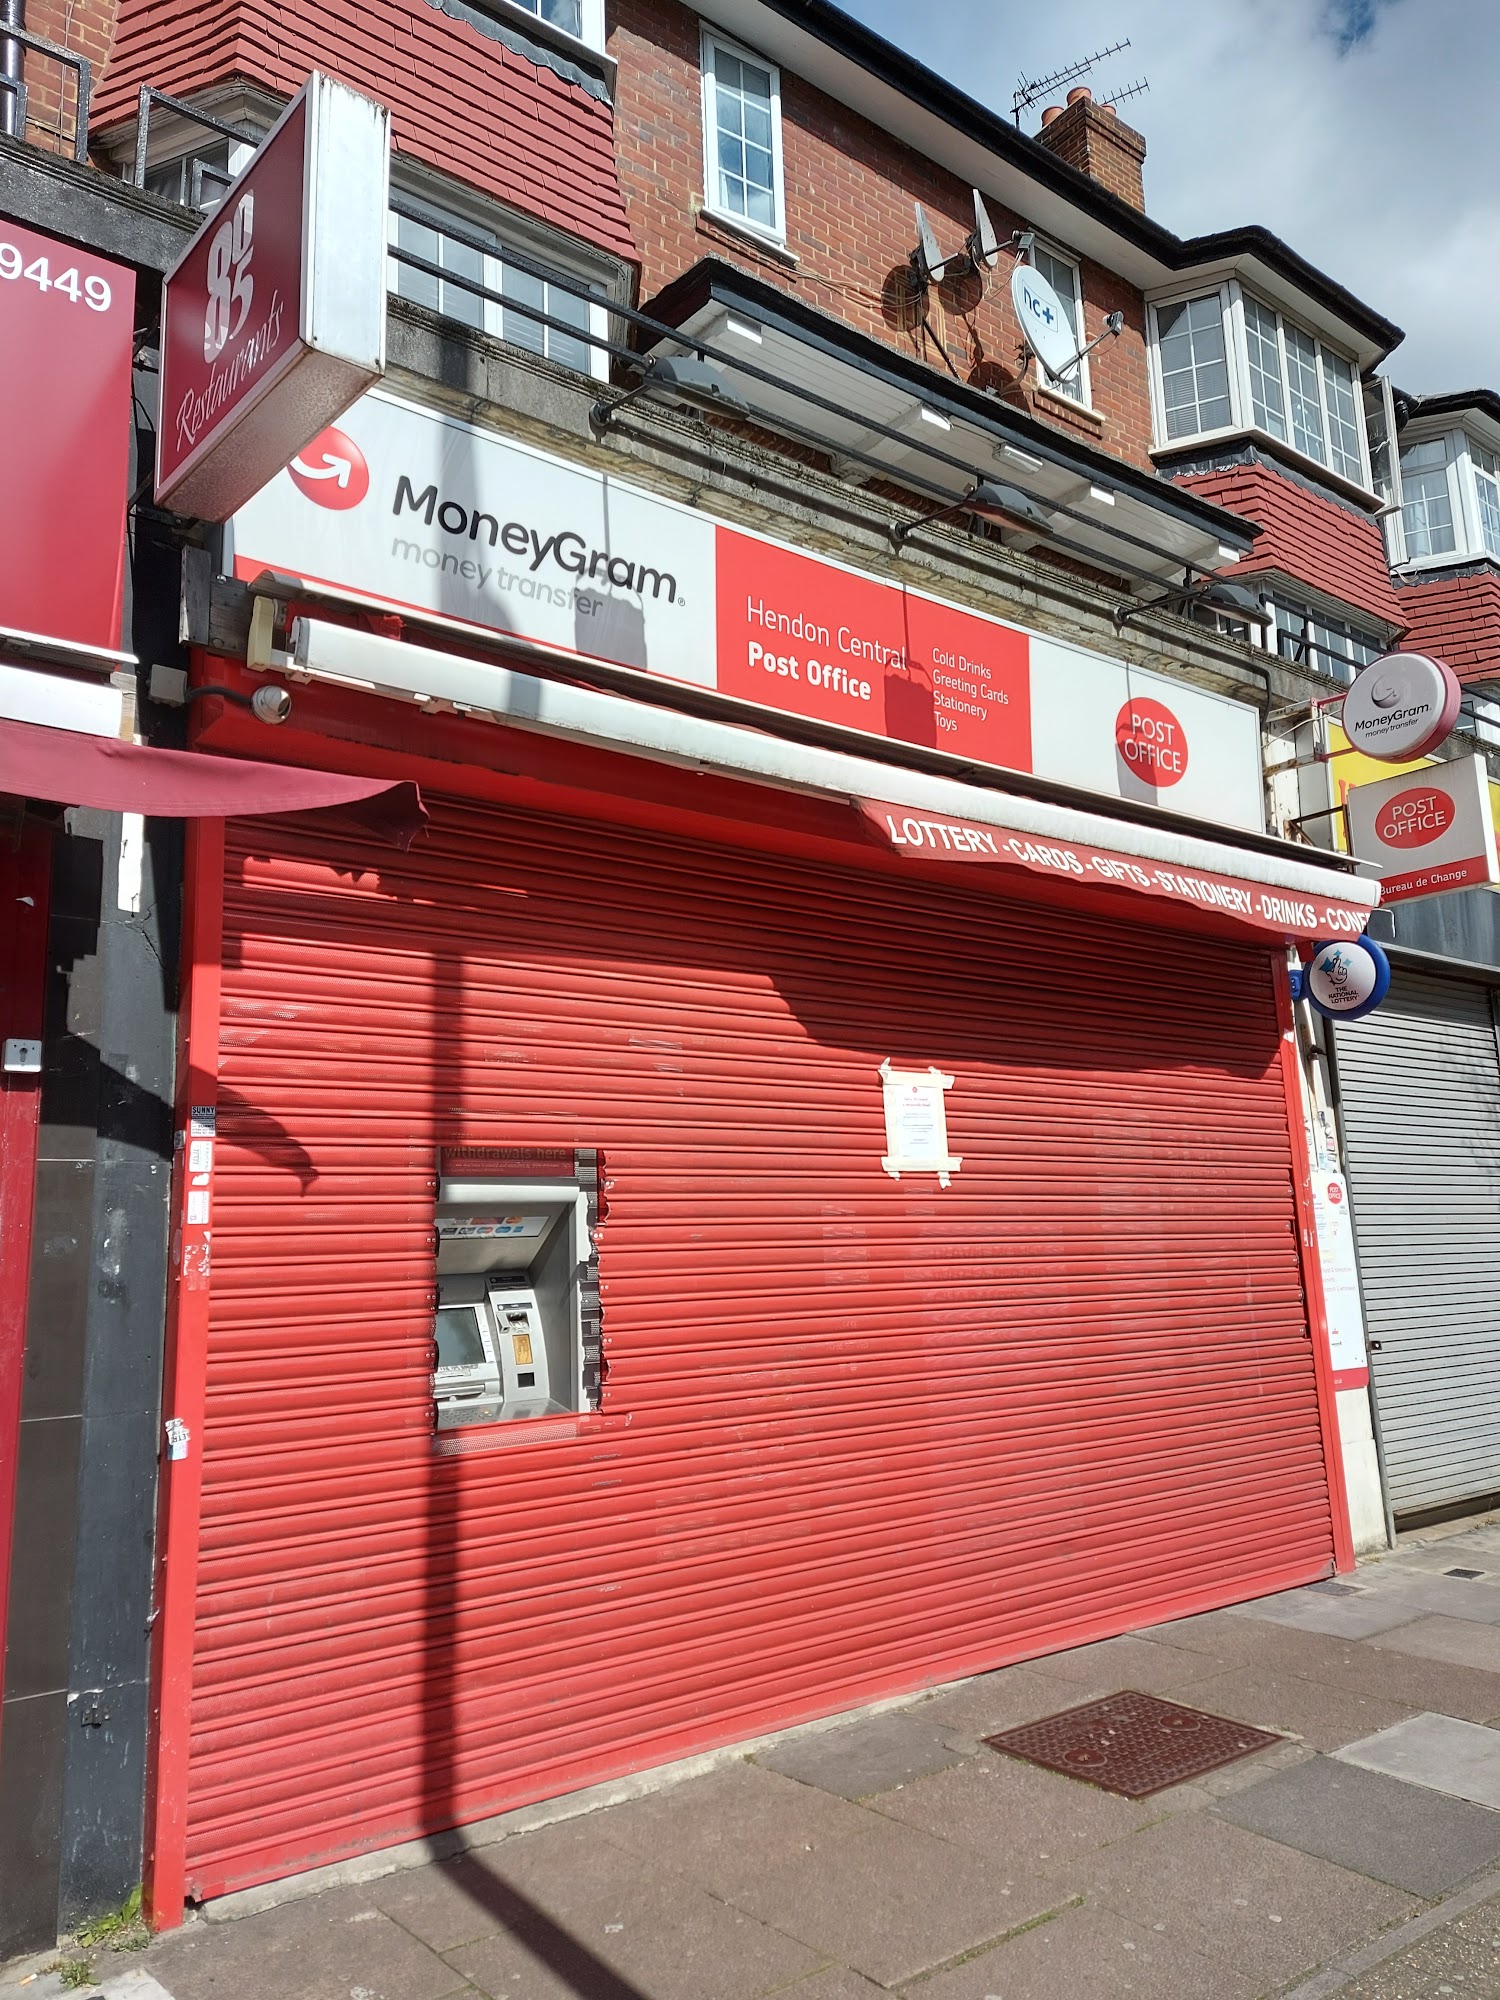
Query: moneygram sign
(273, 319)
(462, 522)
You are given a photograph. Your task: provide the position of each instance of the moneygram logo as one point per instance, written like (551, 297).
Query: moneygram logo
(331, 471)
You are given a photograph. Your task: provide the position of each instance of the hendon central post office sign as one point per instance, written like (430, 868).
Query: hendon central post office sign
(419, 509)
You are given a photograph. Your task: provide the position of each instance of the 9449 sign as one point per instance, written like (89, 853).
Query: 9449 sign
(91, 291)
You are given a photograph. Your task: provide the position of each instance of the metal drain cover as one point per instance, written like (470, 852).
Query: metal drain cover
(1471, 1573)
(1133, 1744)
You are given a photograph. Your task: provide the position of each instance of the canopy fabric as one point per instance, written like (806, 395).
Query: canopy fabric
(72, 769)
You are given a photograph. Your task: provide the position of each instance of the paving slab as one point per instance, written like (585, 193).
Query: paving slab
(1393, 1675)
(1313, 1610)
(1253, 1904)
(1093, 1954)
(1324, 1716)
(1004, 1700)
(1450, 1596)
(1461, 1957)
(837, 1983)
(1132, 1662)
(1457, 1553)
(1414, 1838)
(1459, 1758)
(1014, 1812)
(867, 1756)
(895, 1901)
(1457, 1641)
(627, 1933)
(723, 1829)
(322, 1947)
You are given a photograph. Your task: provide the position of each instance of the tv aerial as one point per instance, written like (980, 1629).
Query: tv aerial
(980, 252)
(1030, 90)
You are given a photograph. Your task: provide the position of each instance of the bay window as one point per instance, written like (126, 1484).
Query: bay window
(1227, 361)
(1450, 498)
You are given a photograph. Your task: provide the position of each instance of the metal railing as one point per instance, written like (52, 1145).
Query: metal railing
(150, 97)
(13, 83)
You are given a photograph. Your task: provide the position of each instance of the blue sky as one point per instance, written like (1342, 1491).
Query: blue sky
(1364, 132)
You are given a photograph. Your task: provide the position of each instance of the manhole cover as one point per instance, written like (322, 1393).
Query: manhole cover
(1463, 1572)
(1134, 1744)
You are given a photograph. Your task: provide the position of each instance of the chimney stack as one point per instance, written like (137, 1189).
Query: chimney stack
(1093, 138)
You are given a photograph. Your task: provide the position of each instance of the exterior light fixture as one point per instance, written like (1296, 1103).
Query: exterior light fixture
(1235, 600)
(677, 378)
(992, 501)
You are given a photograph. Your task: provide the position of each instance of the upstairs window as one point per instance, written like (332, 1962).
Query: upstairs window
(583, 19)
(1228, 361)
(1194, 366)
(1427, 500)
(1486, 467)
(1328, 645)
(1062, 274)
(742, 139)
(490, 267)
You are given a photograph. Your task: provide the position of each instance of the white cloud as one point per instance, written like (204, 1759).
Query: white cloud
(1363, 132)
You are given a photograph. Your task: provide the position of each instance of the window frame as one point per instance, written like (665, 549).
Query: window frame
(1462, 475)
(506, 233)
(1046, 380)
(590, 21)
(1232, 297)
(711, 45)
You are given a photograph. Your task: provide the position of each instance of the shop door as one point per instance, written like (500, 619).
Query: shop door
(858, 1434)
(1420, 1081)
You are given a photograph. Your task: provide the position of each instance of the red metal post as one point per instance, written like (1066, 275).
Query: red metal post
(184, 1384)
(24, 872)
(1307, 1231)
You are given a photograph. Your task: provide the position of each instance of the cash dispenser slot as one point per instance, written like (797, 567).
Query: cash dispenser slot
(508, 1329)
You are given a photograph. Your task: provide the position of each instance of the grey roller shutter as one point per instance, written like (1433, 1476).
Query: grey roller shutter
(1420, 1080)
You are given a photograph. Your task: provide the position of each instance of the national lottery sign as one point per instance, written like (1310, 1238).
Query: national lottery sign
(421, 510)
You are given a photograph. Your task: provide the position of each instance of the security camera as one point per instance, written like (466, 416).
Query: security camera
(271, 704)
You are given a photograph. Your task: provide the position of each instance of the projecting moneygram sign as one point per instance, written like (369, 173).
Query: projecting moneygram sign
(1401, 706)
(273, 319)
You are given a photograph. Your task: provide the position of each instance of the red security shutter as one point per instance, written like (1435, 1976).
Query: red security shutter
(857, 1434)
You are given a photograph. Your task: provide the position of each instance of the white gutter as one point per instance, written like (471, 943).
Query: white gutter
(375, 665)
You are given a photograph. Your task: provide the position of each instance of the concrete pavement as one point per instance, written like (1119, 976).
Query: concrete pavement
(894, 1853)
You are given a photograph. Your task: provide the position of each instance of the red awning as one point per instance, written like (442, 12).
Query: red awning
(72, 769)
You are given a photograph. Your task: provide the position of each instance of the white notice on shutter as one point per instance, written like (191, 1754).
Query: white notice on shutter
(1340, 1276)
(916, 1123)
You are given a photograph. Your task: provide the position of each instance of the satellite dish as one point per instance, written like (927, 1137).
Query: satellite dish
(984, 245)
(1046, 322)
(928, 260)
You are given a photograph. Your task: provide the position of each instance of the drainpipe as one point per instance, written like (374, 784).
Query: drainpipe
(12, 15)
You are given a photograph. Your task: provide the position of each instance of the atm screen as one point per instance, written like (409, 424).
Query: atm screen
(459, 1343)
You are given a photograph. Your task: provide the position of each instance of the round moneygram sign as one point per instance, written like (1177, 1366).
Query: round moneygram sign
(1347, 978)
(1401, 706)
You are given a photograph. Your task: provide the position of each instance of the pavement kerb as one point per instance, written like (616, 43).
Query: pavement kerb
(1333, 1979)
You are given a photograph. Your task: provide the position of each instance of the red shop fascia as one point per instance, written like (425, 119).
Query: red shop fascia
(938, 1292)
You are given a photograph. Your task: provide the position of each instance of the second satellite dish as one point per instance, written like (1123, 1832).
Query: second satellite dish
(1045, 321)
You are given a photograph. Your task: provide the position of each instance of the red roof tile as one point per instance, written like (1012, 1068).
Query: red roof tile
(459, 101)
(1456, 618)
(1317, 541)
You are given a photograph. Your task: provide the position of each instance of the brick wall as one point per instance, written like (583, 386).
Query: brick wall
(849, 194)
(84, 26)
(1306, 536)
(1456, 618)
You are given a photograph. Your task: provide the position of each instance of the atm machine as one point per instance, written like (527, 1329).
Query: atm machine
(513, 1260)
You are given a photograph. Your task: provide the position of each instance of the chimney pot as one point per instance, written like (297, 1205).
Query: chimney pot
(1102, 146)
(1052, 111)
(1106, 110)
(1082, 95)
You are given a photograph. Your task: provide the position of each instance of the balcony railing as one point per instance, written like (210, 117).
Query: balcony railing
(16, 113)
